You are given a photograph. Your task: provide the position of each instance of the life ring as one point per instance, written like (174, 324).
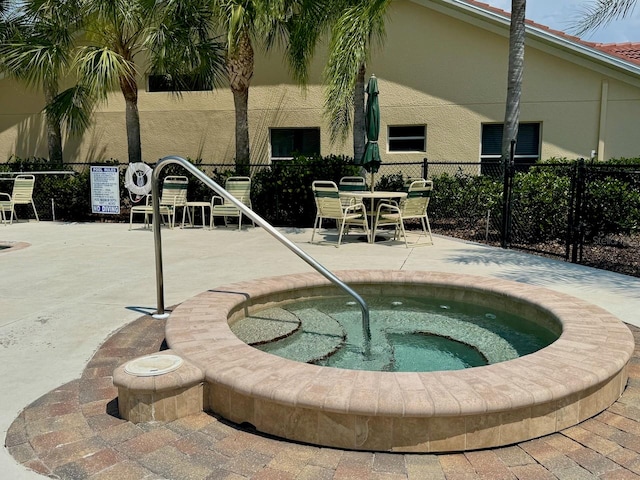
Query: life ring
(137, 178)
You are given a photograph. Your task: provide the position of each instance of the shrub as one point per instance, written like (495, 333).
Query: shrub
(282, 193)
(612, 206)
(541, 204)
(71, 194)
(465, 197)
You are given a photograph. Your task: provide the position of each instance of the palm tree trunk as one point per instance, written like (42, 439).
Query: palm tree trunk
(240, 71)
(516, 69)
(54, 133)
(129, 89)
(359, 114)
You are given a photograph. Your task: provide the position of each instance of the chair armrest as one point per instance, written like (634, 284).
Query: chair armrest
(355, 207)
(6, 195)
(389, 207)
(215, 198)
(347, 200)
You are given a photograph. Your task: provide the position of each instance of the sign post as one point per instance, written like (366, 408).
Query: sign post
(105, 190)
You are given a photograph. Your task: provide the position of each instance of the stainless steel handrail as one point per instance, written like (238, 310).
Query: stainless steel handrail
(155, 191)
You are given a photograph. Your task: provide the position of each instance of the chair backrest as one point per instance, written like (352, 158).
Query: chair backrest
(352, 184)
(418, 197)
(327, 199)
(239, 187)
(23, 189)
(174, 191)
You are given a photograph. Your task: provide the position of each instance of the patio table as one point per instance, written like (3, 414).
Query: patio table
(374, 196)
(192, 206)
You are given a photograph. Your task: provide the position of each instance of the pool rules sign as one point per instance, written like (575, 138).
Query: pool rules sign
(105, 190)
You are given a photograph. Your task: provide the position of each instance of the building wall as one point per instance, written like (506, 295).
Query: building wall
(434, 70)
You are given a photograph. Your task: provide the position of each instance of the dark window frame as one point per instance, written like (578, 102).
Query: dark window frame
(397, 139)
(301, 142)
(528, 149)
(157, 83)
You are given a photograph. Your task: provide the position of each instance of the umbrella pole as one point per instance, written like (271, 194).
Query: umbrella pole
(372, 175)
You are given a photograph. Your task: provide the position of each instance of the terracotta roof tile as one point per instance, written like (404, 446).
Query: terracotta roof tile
(626, 51)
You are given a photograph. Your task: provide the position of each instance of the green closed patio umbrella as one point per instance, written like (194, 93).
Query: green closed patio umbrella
(371, 158)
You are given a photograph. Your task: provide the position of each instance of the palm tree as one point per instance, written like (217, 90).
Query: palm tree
(115, 32)
(242, 24)
(184, 45)
(292, 23)
(517, 32)
(358, 26)
(36, 43)
(514, 80)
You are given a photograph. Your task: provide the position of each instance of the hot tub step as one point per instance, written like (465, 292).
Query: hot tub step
(266, 326)
(320, 336)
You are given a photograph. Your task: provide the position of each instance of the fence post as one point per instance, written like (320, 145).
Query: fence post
(570, 235)
(506, 196)
(425, 168)
(578, 230)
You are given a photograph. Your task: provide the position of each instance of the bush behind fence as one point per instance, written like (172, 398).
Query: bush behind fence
(467, 201)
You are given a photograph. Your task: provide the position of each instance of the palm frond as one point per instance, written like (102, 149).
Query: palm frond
(34, 64)
(303, 31)
(102, 69)
(358, 29)
(72, 109)
(600, 13)
(184, 45)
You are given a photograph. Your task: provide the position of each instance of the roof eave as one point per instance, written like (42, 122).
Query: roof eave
(592, 53)
(500, 24)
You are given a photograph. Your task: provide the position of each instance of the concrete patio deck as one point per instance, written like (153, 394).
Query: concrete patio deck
(73, 305)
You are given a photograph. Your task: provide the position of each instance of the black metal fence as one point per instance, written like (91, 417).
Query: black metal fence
(579, 211)
(583, 212)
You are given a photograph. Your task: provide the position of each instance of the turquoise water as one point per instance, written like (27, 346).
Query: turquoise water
(408, 334)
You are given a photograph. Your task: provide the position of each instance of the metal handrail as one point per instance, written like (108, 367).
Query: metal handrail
(155, 191)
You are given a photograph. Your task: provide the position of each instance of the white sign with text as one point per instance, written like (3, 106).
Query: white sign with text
(105, 190)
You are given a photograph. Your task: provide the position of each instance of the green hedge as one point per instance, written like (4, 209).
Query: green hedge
(465, 196)
(71, 194)
(282, 194)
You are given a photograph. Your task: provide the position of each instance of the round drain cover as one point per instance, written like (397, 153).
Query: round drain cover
(151, 365)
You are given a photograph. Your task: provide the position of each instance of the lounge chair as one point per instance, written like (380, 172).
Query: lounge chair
(329, 207)
(412, 207)
(240, 188)
(22, 194)
(173, 196)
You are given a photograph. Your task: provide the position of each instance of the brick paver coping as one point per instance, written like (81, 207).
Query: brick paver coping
(73, 433)
(573, 379)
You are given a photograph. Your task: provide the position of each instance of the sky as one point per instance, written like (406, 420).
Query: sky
(560, 14)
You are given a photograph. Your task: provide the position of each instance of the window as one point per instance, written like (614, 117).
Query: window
(408, 138)
(527, 144)
(181, 83)
(288, 142)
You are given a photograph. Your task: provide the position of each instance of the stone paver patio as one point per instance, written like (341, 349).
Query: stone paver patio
(73, 432)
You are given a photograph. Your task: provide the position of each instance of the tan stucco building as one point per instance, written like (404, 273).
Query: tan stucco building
(442, 74)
